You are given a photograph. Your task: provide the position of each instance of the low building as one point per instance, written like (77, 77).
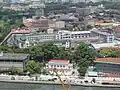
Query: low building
(108, 65)
(63, 67)
(9, 60)
(104, 69)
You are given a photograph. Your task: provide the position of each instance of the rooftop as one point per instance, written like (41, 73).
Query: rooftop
(21, 31)
(13, 56)
(36, 23)
(102, 32)
(108, 60)
(80, 32)
(59, 61)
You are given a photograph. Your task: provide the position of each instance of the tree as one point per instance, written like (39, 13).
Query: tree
(4, 29)
(84, 56)
(34, 67)
(89, 26)
(65, 53)
(5, 48)
(44, 52)
(110, 52)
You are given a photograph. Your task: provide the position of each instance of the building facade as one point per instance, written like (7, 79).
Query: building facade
(104, 69)
(9, 60)
(105, 35)
(63, 67)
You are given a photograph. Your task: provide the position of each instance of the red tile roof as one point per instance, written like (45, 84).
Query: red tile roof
(59, 61)
(108, 60)
(36, 23)
(21, 31)
(112, 75)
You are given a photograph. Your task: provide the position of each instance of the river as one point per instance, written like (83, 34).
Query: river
(23, 86)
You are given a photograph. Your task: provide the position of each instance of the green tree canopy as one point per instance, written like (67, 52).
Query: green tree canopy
(84, 56)
(110, 52)
(34, 67)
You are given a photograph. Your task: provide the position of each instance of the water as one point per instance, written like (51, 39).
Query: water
(23, 86)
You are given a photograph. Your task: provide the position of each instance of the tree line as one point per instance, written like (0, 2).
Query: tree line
(81, 56)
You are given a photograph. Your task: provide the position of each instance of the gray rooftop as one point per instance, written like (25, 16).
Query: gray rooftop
(13, 56)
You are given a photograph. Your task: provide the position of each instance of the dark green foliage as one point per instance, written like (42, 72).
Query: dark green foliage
(110, 52)
(34, 67)
(84, 56)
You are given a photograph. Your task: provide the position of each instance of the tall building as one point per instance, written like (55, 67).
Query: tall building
(39, 6)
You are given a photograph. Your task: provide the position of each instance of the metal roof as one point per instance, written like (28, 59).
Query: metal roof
(108, 60)
(13, 56)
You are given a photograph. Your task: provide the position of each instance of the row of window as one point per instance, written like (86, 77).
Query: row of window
(3, 61)
(108, 65)
(44, 37)
(74, 36)
(56, 66)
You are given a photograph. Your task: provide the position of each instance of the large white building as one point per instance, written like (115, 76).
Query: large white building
(63, 67)
(25, 38)
(64, 34)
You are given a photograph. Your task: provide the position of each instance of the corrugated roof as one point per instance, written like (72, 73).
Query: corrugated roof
(108, 60)
(12, 56)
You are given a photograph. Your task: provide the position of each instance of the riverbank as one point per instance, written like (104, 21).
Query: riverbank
(53, 80)
(58, 83)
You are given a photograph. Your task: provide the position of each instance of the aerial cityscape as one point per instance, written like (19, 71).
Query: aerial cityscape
(60, 44)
